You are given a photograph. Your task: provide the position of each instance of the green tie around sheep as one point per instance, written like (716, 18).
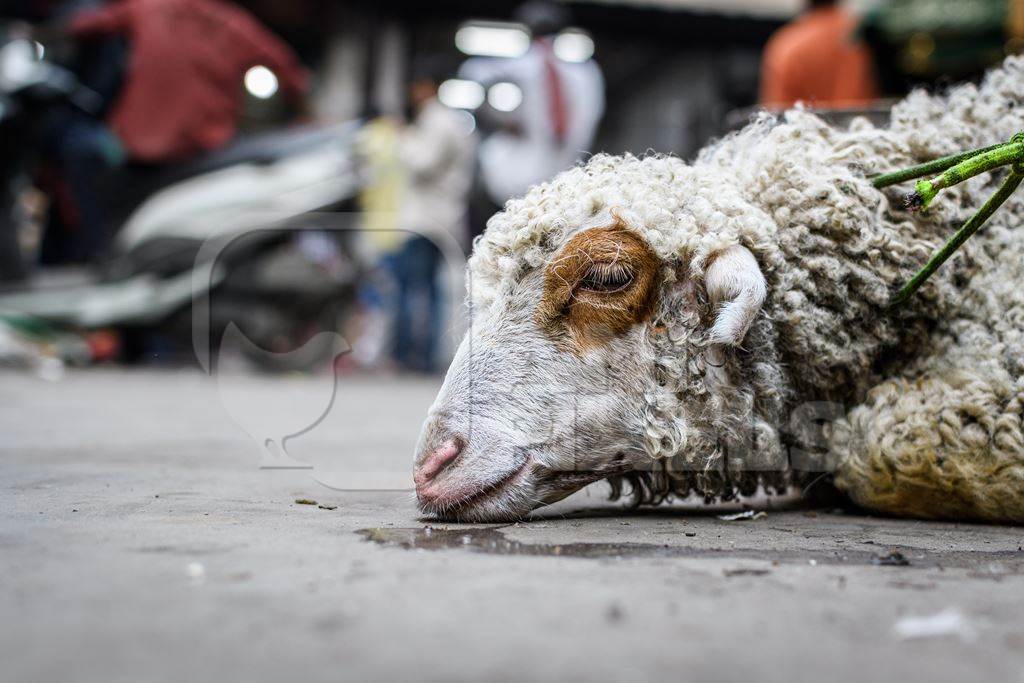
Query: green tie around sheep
(954, 170)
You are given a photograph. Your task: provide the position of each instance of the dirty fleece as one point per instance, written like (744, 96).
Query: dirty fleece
(931, 394)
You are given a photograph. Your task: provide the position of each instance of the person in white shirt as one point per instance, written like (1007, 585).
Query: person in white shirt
(555, 124)
(436, 152)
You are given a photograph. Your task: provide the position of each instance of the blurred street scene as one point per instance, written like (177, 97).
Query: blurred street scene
(233, 236)
(186, 181)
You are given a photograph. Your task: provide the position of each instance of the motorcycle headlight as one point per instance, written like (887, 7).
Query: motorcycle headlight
(19, 64)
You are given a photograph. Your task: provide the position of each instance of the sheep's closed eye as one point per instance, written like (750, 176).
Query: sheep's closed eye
(606, 278)
(600, 284)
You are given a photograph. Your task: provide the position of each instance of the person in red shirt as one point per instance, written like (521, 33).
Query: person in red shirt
(182, 93)
(816, 59)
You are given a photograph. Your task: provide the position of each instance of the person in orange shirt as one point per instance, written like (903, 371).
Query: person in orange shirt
(817, 59)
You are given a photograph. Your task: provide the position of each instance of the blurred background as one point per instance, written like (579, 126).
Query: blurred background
(289, 186)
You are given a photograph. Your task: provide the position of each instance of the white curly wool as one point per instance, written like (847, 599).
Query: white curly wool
(940, 382)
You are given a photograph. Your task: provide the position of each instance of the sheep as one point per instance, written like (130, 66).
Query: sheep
(685, 327)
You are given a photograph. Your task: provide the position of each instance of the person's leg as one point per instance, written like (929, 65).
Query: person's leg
(86, 150)
(12, 265)
(435, 313)
(418, 308)
(416, 272)
(402, 326)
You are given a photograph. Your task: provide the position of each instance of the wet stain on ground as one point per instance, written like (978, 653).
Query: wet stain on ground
(185, 550)
(492, 541)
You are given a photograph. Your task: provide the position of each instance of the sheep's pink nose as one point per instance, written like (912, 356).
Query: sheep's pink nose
(438, 459)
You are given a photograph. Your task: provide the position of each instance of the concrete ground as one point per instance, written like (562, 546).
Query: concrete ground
(140, 541)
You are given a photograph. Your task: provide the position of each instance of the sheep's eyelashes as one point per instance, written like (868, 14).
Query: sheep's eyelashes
(600, 284)
(606, 278)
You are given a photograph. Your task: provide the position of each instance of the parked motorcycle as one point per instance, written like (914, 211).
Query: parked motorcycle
(246, 231)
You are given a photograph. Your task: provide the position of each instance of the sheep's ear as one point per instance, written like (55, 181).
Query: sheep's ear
(737, 289)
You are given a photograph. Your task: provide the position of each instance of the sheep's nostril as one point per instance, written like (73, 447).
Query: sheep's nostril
(436, 461)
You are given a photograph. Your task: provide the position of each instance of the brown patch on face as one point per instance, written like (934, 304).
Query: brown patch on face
(598, 286)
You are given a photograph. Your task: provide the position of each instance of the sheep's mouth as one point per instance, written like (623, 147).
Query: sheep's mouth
(504, 499)
(457, 509)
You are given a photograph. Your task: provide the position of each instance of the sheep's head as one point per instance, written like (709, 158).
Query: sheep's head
(604, 355)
